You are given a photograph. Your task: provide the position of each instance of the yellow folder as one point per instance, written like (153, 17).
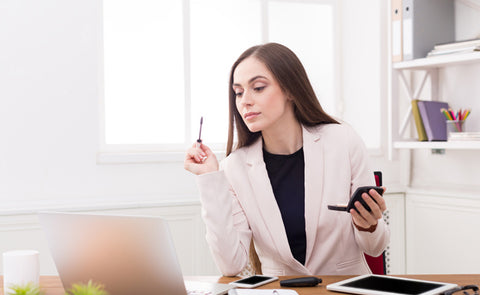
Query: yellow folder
(422, 135)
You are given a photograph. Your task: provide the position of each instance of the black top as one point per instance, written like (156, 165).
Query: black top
(287, 177)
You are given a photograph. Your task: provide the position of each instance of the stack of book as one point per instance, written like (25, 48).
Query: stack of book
(456, 47)
(465, 136)
(429, 120)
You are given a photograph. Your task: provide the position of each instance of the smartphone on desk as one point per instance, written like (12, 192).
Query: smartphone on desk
(357, 196)
(253, 281)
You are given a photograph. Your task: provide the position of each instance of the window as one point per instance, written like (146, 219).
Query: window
(167, 63)
(143, 72)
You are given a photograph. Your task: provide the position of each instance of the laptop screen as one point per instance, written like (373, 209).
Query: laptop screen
(127, 254)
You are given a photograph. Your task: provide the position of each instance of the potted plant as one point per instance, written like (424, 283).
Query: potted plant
(90, 288)
(26, 289)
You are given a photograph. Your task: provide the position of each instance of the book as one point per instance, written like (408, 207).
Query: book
(467, 49)
(433, 119)
(424, 24)
(422, 136)
(458, 44)
(464, 136)
(456, 47)
(397, 50)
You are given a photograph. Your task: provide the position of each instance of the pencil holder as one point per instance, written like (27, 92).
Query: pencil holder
(455, 126)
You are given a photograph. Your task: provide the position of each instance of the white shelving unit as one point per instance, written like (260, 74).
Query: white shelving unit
(438, 61)
(430, 67)
(455, 145)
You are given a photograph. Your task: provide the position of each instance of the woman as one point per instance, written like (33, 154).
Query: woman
(291, 160)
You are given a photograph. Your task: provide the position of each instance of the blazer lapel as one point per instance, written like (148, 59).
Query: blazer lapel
(313, 149)
(266, 202)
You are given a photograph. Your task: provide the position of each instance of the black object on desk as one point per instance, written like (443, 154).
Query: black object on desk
(301, 282)
(463, 290)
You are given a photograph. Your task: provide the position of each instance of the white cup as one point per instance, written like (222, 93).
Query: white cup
(20, 267)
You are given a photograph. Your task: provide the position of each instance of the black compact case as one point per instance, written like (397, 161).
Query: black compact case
(357, 196)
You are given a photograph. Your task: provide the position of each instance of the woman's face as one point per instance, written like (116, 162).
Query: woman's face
(259, 98)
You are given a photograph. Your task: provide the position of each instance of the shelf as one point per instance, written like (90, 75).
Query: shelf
(458, 145)
(431, 66)
(438, 61)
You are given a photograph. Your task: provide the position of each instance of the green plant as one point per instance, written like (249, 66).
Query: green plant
(87, 289)
(26, 289)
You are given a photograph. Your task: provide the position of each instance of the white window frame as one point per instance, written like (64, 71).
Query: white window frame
(154, 153)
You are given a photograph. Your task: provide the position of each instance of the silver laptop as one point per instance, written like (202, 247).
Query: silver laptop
(127, 254)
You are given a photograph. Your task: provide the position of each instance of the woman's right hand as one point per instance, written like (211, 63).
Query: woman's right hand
(200, 160)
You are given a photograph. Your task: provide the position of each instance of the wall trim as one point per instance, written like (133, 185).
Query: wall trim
(444, 193)
(95, 204)
(144, 157)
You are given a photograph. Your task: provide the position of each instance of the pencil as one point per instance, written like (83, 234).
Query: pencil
(452, 114)
(446, 114)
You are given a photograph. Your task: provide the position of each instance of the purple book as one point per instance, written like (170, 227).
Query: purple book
(433, 119)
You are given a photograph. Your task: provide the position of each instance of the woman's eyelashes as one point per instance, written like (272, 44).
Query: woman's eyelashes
(255, 89)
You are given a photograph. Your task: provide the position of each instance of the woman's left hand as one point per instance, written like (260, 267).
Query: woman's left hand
(364, 220)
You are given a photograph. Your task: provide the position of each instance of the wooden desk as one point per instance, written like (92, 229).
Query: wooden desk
(321, 288)
(53, 286)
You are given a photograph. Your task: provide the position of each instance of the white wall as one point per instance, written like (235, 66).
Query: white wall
(364, 75)
(49, 108)
(49, 132)
(49, 118)
(49, 113)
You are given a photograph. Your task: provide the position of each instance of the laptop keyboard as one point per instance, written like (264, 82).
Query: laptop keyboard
(205, 288)
(199, 292)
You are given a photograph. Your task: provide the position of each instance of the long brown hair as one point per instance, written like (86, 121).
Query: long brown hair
(290, 74)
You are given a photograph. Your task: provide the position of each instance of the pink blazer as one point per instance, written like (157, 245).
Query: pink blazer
(238, 204)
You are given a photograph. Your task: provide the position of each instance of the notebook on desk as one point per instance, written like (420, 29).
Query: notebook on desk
(127, 254)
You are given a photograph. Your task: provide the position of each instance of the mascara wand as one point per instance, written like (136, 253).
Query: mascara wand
(199, 140)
